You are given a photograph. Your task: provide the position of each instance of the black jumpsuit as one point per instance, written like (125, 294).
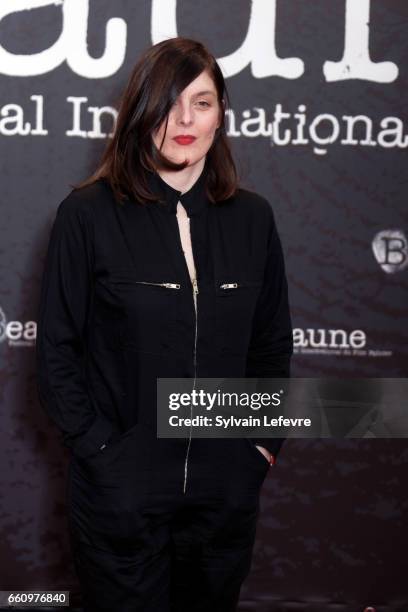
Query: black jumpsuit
(158, 525)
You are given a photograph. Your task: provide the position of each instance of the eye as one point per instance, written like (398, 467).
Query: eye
(203, 103)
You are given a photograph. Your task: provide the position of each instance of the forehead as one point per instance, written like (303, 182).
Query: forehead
(203, 83)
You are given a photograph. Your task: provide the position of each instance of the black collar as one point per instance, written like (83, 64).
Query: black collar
(194, 200)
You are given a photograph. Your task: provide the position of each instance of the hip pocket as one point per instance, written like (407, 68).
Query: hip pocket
(113, 452)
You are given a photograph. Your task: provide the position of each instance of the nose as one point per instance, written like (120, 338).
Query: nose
(184, 115)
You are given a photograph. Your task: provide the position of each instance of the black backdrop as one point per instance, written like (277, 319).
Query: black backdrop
(319, 126)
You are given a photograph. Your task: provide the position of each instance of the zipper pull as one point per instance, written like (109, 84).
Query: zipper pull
(229, 286)
(171, 285)
(195, 285)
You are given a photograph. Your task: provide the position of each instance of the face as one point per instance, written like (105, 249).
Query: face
(195, 114)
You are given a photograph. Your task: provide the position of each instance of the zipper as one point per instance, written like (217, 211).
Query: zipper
(167, 285)
(243, 284)
(195, 293)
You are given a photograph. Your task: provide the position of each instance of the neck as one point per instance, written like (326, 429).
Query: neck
(183, 180)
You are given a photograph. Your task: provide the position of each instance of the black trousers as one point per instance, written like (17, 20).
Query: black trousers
(141, 544)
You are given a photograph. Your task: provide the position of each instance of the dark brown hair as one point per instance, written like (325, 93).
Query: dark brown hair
(161, 74)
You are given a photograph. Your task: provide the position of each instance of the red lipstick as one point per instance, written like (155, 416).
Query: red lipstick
(184, 139)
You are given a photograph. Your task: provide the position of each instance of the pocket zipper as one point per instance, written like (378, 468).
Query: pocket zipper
(243, 284)
(167, 285)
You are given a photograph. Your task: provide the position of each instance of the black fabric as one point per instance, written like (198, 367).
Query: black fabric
(194, 200)
(196, 204)
(92, 319)
(140, 545)
(158, 524)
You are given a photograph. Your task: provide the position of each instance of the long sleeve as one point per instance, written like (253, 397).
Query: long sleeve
(65, 302)
(271, 345)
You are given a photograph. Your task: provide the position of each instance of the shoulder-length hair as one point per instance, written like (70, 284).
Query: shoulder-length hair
(163, 71)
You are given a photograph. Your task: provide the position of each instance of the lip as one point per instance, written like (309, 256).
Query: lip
(184, 139)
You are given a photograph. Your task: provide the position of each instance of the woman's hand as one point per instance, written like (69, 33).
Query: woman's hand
(266, 453)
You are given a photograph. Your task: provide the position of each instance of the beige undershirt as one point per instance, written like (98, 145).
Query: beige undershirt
(185, 235)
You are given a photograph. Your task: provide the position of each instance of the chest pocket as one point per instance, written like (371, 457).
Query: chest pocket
(147, 310)
(235, 302)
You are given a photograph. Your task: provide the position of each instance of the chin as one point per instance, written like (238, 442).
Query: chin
(188, 160)
(178, 157)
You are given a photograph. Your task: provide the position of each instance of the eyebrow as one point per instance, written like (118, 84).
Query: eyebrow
(203, 93)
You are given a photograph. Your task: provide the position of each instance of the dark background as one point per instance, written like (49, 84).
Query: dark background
(332, 533)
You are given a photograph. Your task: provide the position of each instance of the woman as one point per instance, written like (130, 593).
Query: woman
(161, 266)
